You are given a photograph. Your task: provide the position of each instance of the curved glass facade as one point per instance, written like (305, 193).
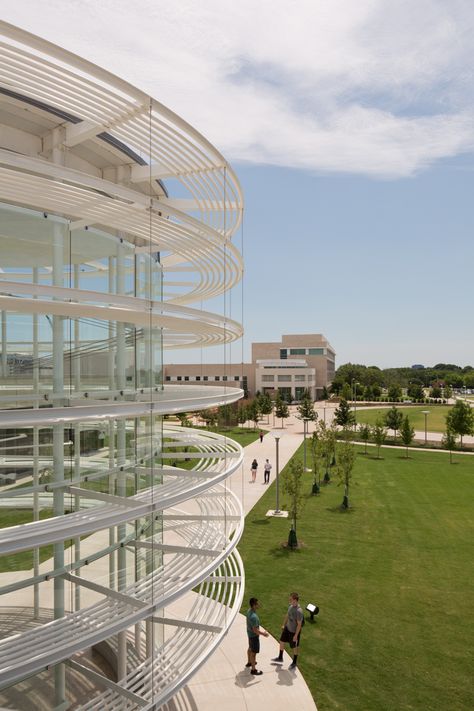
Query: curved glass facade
(118, 568)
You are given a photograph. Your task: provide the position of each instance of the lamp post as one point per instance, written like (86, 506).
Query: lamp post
(305, 432)
(277, 434)
(426, 413)
(354, 384)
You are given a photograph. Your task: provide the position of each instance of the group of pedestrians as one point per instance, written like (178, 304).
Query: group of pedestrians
(267, 467)
(290, 633)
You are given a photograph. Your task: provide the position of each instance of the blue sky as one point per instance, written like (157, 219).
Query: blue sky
(351, 127)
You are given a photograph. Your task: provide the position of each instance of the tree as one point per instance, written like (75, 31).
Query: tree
(326, 446)
(293, 487)
(364, 434)
(265, 404)
(460, 419)
(346, 393)
(394, 394)
(379, 433)
(407, 433)
(345, 463)
(447, 392)
(435, 392)
(184, 419)
(253, 412)
(281, 408)
(415, 391)
(242, 414)
(449, 441)
(305, 408)
(343, 416)
(324, 393)
(393, 420)
(209, 417)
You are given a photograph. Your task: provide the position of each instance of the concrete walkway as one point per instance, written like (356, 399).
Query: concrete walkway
(223, 682)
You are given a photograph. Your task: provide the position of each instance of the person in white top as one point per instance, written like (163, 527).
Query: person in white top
(266, 472)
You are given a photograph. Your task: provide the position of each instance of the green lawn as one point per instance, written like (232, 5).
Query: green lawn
(435, 421)
(393, 578)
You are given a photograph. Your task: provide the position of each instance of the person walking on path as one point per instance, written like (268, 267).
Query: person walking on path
(266, 472)
(261, 436)
(291, 630)
(253, 634)
(253, 470)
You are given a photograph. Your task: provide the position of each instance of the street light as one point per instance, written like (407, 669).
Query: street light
(354, 385)
(278, 434)
(426, 413)
(305, 432)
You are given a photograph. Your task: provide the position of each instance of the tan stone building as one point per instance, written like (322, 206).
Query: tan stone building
(294, 364)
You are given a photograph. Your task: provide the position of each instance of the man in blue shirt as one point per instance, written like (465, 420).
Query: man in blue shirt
(253, 633)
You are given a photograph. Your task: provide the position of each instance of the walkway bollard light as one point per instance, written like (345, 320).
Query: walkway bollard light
(426, 413)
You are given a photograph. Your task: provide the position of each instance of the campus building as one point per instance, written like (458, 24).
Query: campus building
(119, 573)
(297, 363)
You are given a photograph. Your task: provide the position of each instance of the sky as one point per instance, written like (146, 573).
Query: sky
(351, 128)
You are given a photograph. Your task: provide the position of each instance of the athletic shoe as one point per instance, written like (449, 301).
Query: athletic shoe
(277, 659)
(292, 666)
(256, 672)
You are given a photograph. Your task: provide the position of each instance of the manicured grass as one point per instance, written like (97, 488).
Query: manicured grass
(24, 559)
(392, 577)
(435, 421)
(242, 435)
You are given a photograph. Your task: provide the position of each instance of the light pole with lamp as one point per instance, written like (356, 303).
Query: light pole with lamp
(277, 434)
(426, 413)
(354, 384)
(305, 432)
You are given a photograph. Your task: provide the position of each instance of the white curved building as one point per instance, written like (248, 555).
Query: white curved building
(115, 218)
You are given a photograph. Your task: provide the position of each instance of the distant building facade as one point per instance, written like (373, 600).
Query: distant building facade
(297, 363)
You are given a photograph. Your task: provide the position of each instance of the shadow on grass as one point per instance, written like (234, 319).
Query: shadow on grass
(340, 509)
(260, 521)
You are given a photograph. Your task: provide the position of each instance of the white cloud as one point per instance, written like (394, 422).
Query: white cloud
(375, 87)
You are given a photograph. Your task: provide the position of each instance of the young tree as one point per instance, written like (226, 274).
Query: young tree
(394, 394)
(293, 487)
(407, 433)
(324, 393)
(242, 414)
(447, 392)
(435, 392)
(346, 455)
(364, 434)
(209, 417)
(393, 420)
(253, 412)
(343, 415)
(326, 446)
(449, 441)
(281, 408)
(305, 408)
(415, 391)
(379, 433)
(265, 404)
(184, 419)
(460, 419)
(346, 392)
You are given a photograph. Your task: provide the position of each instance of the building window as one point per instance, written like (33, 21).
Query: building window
(284, 378)
(297, 351)
(268, 378)
(283, 354)
(224, 378)
(216, 377)
(198, 377)
(179, 377)
(186, 377)
(205, 377)
(316, 351)
(299, 378)
(167, 378)
(236, 377)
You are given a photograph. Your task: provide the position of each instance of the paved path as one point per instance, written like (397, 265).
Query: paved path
(223, 682)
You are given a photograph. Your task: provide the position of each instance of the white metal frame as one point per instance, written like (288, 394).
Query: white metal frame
(92, 154)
